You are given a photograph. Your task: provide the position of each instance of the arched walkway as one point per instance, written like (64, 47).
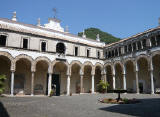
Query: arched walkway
(118, 76)
(40, 79)
(109, 77)
(75, 78)
(5, 64)
(22, 78)
(87, 81)
(59, 77)
(130, 76)
(97, 76)
(156, 71)
(143, 75)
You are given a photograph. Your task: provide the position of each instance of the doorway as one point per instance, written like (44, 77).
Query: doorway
(56, 84)
(141, 87)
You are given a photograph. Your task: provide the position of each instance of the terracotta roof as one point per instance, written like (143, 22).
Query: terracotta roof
(42, 31)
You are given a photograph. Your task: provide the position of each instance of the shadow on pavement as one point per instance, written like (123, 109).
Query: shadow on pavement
(146, 108)
(3, 111)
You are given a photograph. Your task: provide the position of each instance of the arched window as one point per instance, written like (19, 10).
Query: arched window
(60, 48)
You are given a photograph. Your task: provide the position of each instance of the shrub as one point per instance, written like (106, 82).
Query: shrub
(2, 83)
(102, 86)
(51, 93)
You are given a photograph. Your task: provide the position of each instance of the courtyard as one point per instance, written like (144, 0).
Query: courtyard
(85, 105)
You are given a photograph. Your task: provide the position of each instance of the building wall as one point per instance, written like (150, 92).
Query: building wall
(16, 40)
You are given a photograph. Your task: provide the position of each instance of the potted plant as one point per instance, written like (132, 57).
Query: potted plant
(102, 86)
(51, 93)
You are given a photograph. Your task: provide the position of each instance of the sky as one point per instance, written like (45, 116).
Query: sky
(121, 18)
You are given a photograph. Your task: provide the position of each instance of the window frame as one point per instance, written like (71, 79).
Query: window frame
(88, 49)
(28, 46)
(97, 54)
(5, 34)
(41, 41)
(78, 50)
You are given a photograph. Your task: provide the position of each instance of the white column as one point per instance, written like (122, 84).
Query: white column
(68, 84)
(12, 83)
(113, 76)
(137, 83)
(92, 83)
(32, 84)
(137, 45)
(149, 42)
(81, 83)
(114, 82)
(124, 81)
(156, 40)
(141, 44)
(152, 82)
(49, 83)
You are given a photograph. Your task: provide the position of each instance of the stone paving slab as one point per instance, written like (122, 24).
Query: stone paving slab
(85, 105)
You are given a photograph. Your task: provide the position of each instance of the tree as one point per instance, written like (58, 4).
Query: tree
(104, 36)
(2, 83)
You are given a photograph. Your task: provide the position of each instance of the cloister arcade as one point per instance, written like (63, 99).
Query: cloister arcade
(35, 77)
(26, 76)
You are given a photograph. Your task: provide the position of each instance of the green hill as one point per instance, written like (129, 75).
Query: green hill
(104, 36)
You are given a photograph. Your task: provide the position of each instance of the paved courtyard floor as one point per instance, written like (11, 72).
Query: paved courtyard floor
(85, 105)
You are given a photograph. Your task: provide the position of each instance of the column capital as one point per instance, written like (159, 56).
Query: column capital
(92, 74)
(69, 75)
(12, 70)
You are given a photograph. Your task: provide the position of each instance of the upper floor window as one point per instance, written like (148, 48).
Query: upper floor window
(43, 46)
(153, 41)
(88, 52)
(3, 40)
(113, 53)
(76, 51)
(98, 54)
(125, 49)
(106, 54)
(129, 48)
(25, 43)
(119, 51)
(116, 52)
(60, 48)
(158, 39)
(144, 43)
(134, 46)
(139, 45)
(109, 54)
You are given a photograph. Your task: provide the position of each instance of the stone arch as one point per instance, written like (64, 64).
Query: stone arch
(42, 58)
(53, 63)
(6, 54)
(109, 74)
(143, 56)
(118, 62)
(76, 62)
(9, 56)
(119, 71)
(109, 64)
(155, 53)
(87, 63)
(156, 68)
(99, 64)
(24, 56)
(128, 59)
(130, 75)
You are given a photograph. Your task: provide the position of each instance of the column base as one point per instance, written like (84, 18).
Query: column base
(32, 94)
(11, 95)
